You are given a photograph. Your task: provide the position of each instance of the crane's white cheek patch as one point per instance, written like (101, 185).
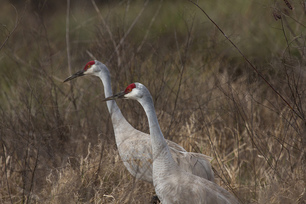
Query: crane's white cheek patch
(89, 71)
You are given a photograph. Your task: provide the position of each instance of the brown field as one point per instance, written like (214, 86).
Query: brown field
(56, 139)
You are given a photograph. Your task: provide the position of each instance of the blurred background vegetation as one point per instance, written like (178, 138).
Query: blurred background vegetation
(57, 142)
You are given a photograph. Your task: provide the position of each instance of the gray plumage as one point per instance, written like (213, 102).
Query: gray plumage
(173, 184)
(133, 145)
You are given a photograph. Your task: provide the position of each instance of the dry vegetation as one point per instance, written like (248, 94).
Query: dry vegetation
(56, 140)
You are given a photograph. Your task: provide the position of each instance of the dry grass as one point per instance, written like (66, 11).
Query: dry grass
(56, 140)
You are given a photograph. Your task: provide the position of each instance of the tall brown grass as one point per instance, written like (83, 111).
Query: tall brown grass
(57, 141)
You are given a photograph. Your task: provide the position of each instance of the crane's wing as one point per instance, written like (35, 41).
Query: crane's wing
(194, 163)
(181, 187)
(174, 146)
(136, 154)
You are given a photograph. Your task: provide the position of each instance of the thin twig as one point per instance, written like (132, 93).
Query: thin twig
(150, 25)
(33, 175)
(108, 30)
(246, 59)
(67, 36)
(183, 63)
(17, 22)
(130, 28)
(5, 169)
(68, 51)
(133, 24)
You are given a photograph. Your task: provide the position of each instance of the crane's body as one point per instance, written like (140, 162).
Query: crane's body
(172, 184)
(133, 145)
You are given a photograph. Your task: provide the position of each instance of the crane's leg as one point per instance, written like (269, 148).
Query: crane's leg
(155, 200)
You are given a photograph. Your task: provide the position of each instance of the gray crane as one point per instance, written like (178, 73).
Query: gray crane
(133, 145)
(172, 184)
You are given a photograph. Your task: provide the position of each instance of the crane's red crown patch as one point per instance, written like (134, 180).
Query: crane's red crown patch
(88, 65)
(129, 88)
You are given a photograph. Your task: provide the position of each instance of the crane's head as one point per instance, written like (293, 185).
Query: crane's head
(91, 68)
(133, 91)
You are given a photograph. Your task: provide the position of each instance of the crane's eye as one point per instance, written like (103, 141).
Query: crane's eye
(88, 65)
(130, 88)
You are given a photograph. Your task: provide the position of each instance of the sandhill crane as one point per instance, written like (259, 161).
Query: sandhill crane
(133, 145)
(172, 184)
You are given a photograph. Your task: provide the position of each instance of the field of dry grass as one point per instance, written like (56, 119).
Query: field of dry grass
(56, 139)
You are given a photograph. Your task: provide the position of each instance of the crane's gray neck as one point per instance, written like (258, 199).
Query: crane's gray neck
(162, 159)
(111, 105)
(120, 124)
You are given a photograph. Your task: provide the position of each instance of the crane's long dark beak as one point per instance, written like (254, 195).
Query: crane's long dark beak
(118, 95)
(79, 73)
